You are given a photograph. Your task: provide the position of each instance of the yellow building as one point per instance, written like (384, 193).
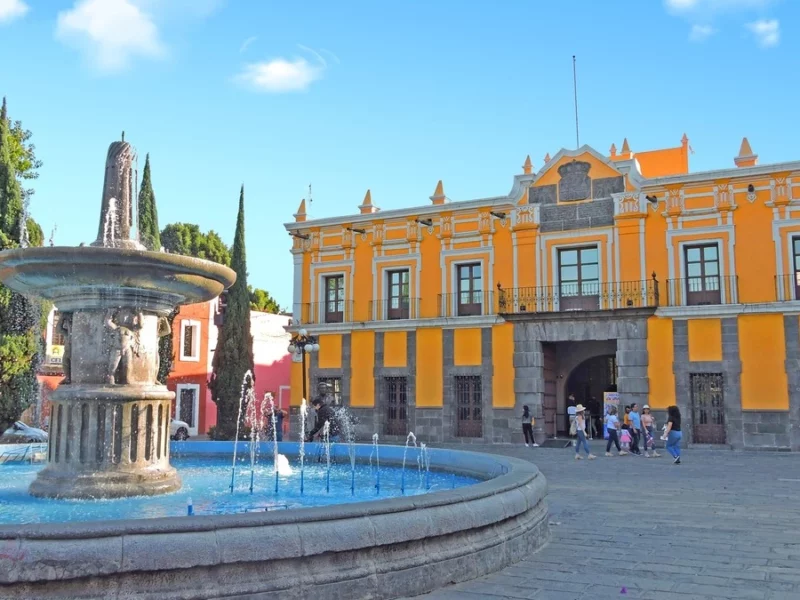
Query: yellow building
(595, 273)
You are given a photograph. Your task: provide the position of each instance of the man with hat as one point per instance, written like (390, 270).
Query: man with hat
(324, 413)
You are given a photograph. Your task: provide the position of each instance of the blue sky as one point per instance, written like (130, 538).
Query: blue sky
(360, 94)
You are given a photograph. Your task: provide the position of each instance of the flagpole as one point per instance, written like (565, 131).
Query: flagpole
(575, 93)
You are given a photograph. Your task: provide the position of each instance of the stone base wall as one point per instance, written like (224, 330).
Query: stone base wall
(767, 430)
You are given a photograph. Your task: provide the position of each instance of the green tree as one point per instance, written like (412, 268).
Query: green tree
(262, 301)
(23, 155)
(234, 355)
(187, 239)
(20, 339)
(148, 214)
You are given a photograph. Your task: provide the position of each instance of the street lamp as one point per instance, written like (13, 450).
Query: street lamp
(303, 344)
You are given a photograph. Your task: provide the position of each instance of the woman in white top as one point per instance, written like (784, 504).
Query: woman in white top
(580, 429)
(612, 426)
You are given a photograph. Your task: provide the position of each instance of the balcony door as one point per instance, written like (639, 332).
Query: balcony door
(398, 302)
(470, 290)
(579, 278)
(334, 299)
(702, 275)
(796, 258)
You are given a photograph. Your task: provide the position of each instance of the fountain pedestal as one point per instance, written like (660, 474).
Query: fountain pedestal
(110, 418)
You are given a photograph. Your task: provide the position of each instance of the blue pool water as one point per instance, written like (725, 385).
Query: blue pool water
(206, 480)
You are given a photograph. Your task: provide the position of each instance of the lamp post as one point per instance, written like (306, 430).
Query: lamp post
(303, 344)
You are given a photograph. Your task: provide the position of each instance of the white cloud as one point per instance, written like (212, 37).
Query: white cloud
(700, 33)
(246, 43)
(12, 9)
(690, 6)
(110, 32)
(766, 31)
(280, 75)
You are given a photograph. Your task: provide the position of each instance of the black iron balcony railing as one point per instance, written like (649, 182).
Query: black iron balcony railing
(466, 304)
(578, 297)
(317, 313)
(394, 309)
(787, 287)
(701, 291)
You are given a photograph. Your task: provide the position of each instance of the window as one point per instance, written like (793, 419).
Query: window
(190, 341)
(398, 296)
(394, 390)
(796, 266)
(334, 299)
(579, 278)
(188, 405)
(702, 275)
(470, 290)
(469, 406)
(335, 384)
(57, 334)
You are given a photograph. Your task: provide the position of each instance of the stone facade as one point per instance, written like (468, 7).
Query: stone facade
(628, 328)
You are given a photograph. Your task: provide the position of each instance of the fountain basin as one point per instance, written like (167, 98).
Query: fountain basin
(91, 277)
(379, 549)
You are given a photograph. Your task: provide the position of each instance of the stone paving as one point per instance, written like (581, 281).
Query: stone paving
(721, 525)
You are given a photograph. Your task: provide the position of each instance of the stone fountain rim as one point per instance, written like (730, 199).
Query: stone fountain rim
(125, 257)
(520, 473)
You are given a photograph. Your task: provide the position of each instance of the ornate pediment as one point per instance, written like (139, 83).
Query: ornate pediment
(575, 183)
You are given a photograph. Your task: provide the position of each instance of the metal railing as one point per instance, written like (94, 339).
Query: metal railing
(466, 304)
(317, 313)
(587, 296)
(787, 287)
(394, 309)
(702, 291)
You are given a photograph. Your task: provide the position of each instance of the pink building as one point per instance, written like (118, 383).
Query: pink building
(195, 334)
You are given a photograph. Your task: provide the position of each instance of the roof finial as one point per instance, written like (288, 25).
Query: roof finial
(528, 166)
(367, 206)
(123, 136)
(746, 158)
(626, 149)
(613, 150)
(300, 216)
(547, 158)
(438, 194)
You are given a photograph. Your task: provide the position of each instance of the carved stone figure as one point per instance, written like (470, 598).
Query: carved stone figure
(65, 324)
(124, 325)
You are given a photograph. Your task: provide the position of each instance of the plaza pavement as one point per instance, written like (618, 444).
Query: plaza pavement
(722, 524)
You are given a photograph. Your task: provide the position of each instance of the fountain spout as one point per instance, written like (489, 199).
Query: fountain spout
(116, 213)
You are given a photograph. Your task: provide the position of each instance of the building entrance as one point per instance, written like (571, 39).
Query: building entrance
(588, 382)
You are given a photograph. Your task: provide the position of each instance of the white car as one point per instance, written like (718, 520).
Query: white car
(179, 430)
(20, 433)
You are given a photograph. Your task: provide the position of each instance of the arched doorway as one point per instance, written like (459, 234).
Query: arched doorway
(589, 380)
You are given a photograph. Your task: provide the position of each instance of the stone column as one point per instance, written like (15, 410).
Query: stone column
(529, 376)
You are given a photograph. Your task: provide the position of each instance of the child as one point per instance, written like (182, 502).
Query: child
(625, 438)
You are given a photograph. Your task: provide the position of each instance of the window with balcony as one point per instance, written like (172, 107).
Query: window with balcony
(397, 305)
(470, 290)
(579, 278)
(702, 275)
(335, 387)
(334, 299)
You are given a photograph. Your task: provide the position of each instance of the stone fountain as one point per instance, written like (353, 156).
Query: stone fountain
(110, 418)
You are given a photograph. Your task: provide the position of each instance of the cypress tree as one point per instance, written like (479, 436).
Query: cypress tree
(149, 234)
(234, 354)
(19, 317)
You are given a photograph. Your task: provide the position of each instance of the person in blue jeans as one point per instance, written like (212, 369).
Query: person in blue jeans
(580, 430)
(674, 434)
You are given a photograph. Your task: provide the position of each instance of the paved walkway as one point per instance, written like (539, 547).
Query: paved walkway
(721, 525)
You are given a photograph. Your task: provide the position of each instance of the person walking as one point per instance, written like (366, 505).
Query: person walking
(612, 427)
(636, 428)
(649, 432)
(580, 430)
(527, 427)
(673, 433)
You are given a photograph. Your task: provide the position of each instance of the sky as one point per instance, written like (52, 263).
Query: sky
(389, 96)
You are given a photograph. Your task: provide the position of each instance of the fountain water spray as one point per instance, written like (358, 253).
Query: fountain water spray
(377, 463)
(303, 409)
(255, 417)
(425, 458)
(111, 218)
(250, 394)
(410, 438)
(326, 438)
(344, 419)
(274, 419)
